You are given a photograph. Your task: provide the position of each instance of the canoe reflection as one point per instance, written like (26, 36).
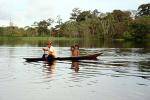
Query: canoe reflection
(75, 65)
(51, 66)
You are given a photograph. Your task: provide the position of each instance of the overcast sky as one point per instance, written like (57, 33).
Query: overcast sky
(26, 12)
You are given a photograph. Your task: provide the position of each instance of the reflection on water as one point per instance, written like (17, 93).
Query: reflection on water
(75, 66)
(83, 43)
(50, 67)
(118, 74)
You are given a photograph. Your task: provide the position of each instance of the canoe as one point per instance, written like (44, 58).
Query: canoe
(83, 57)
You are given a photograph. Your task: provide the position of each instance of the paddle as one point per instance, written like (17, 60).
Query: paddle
(44, 51)
(43, 57)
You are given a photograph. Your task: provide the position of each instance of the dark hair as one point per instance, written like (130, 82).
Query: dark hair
(49, 43)
(76, 45)
(72, 46)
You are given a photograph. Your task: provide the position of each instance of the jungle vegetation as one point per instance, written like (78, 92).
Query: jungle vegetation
(118, 24)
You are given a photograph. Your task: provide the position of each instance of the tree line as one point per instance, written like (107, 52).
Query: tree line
(117, 24)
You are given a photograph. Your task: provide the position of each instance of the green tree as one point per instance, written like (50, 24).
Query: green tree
(42, 26)
(84, 16)
(121, 16)
(75, 12)
(69, 28)
(59, 20)
(30, 31)
(144, 10)
(122, 20)
(107, 27)
(140, 27)
(94, 21)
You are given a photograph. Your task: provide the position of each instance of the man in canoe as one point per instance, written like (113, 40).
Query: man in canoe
(75, 50)
(50, 51)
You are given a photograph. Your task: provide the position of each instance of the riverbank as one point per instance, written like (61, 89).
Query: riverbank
(37, 38)
(66, 41)
(46, 38)
(39, 41)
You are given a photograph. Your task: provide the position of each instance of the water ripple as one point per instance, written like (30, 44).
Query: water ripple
(125, 68)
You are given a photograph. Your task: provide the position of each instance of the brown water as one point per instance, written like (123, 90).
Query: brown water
(118, 74)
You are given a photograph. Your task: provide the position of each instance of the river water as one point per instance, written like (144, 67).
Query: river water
(120, 73)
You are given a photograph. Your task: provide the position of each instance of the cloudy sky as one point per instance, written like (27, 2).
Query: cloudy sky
(26, 12)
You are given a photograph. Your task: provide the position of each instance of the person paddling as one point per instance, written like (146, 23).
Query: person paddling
(50, 51)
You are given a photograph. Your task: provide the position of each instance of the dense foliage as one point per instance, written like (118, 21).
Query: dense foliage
(91, 24)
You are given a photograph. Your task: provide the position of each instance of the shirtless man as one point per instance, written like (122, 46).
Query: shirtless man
(75, 50)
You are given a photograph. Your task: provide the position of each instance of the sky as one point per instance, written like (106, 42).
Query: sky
(25, 12)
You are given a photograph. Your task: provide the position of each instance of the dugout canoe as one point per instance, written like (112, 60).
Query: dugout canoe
(82, 57)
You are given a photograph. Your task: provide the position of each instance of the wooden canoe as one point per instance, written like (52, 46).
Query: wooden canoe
(83, 57)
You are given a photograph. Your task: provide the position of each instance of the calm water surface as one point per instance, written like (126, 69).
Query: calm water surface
(119, 74)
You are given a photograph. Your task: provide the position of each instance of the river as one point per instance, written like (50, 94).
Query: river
(122, 72)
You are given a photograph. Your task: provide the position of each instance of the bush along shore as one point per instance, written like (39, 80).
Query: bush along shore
(115, 25)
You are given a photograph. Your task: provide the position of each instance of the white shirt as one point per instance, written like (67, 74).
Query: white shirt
(52, 51)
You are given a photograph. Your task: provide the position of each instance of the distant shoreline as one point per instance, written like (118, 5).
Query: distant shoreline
(36, 38)
(44, 38)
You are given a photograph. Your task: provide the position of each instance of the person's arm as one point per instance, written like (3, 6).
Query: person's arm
(50, 52)
(78, 52)
(45, 49)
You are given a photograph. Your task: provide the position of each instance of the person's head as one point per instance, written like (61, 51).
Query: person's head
(49, 44)
(76, 46)
(72, 48)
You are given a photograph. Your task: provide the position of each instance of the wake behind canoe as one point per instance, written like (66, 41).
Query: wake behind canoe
(84, 57)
